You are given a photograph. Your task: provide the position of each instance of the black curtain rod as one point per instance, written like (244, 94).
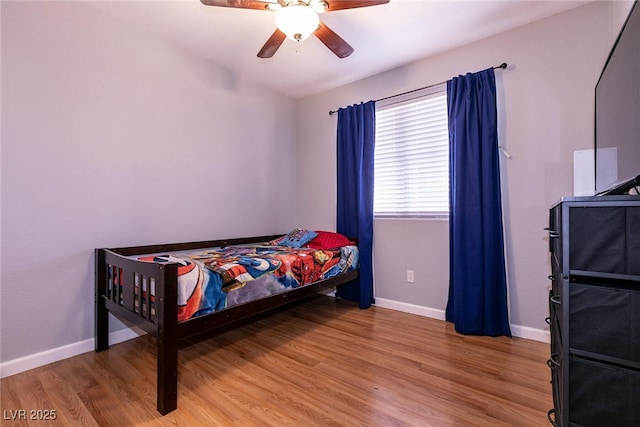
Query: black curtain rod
(503, 65)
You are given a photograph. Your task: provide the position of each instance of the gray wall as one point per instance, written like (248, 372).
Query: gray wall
(546, 105)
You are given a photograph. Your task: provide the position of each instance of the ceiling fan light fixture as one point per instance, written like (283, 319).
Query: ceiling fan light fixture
(297, 21)
(320, 6)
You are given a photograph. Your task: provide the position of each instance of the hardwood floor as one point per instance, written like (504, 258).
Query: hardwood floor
(322, 363)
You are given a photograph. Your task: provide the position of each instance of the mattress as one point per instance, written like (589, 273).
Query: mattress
(213, 279)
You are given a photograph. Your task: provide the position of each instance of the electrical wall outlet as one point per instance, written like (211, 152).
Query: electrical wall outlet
(410, 276)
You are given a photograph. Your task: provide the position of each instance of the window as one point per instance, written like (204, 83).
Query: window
(412, 156)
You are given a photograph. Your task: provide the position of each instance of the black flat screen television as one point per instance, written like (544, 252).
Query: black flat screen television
(617, 115)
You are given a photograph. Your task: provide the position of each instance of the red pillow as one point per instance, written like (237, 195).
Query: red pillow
(328, 240)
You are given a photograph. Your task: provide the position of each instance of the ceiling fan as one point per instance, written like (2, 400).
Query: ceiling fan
(298, 19)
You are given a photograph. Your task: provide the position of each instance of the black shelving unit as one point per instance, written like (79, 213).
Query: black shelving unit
(594, 311)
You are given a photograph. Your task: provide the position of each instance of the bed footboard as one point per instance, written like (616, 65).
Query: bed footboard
(145, 295)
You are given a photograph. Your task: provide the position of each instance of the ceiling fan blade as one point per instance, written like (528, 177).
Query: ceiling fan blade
(271, 46)
(352, 4)
(334, 42)
(240, 4)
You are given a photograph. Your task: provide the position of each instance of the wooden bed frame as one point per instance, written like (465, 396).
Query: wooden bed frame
(128, 302)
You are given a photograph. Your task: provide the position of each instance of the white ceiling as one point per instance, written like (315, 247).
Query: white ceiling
(384, 36)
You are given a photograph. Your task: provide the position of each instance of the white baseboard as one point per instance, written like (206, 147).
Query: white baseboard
(517, 330)
(410, 308)
(22, 364)
(531, 333)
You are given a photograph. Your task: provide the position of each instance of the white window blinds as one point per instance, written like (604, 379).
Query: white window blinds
(412, 158)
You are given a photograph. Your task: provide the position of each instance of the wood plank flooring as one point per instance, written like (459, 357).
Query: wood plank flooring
(321, 363)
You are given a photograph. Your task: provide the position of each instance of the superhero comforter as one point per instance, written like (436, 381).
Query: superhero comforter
(216, 278)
